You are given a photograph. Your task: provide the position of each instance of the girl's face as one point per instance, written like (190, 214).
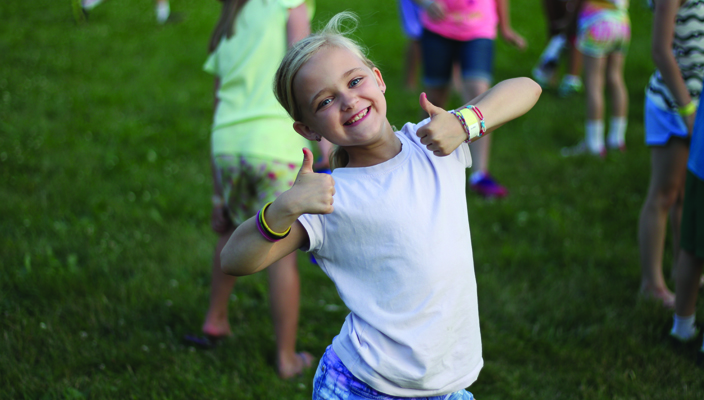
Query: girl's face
(341, 99)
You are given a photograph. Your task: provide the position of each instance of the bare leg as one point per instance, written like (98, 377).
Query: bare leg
(413, 57)
(617, 85)
(689, 271)
(284, 297)
(472, 88)
(594, 86)
(668, 169)
(574, 66)
(216, 322)
(438, 95)
(675, 224)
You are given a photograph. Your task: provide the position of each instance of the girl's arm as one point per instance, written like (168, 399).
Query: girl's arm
(507, 100)
(513, 38)
(298, 24)
(247, 252)
(663, 33)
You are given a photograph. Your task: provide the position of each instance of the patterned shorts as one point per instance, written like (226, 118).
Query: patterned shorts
(250, 182)
(333, 381)
(601, 31)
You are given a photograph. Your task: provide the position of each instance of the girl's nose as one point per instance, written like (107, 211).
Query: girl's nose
(348, 101)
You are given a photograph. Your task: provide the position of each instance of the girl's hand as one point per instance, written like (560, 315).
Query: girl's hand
(514, 39)
(435, 10)
(689, 121)
(311, 193)
(444, 133)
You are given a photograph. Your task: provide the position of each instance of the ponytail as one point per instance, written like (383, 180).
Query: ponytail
(339, 158)
(225, 28)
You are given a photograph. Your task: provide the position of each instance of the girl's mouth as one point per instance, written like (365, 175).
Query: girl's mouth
(358, 117)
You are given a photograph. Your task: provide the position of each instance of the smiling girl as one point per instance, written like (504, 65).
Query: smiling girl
(396, 243)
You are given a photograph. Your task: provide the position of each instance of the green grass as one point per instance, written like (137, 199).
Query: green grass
(105, 243)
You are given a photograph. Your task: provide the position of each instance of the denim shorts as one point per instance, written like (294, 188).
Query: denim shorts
(475, 58)
(333, 381)
(661, 125)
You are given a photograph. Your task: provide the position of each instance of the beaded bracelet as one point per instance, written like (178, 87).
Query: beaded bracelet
(687, 110)
(264, 228)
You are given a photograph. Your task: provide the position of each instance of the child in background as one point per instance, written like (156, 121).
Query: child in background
(691, 259)
(252, 155)
(603, 36)
(562, 35)
(463, 32)
(396, 241)
(670, 104)
(409, 14)
(162, 9)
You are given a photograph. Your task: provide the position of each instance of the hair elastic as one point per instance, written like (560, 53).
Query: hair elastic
(264, 229)
(687, 110)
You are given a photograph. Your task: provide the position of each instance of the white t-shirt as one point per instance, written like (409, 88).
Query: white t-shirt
(399, 251)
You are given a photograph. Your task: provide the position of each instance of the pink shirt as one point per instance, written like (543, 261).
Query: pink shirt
(465, 20)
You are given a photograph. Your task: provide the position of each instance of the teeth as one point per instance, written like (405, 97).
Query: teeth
(358, 116)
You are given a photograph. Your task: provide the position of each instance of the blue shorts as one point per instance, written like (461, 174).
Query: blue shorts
(661, 125)
(333, 381)
(409, 13)
(475, 58)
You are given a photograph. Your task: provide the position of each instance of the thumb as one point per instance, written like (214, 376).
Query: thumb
(307, 166)
(429, 107)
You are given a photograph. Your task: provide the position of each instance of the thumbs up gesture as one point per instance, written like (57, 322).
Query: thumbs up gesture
(444, 133)
(312, 192)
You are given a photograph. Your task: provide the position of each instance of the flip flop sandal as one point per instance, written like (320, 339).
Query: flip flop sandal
(205, 342)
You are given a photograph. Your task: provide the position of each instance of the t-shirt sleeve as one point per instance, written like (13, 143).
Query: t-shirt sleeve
(313, 224)
(295, 3)
(461, 153)
(211, 64)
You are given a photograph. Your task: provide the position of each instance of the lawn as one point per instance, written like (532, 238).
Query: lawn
(105, 242)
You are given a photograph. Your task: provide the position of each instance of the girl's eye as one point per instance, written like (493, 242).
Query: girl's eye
(354, 82)
(324, 103)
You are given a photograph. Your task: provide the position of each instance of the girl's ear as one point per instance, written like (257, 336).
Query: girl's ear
(305, 131)
(379, 79)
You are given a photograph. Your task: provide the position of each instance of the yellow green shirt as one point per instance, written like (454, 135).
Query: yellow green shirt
(248, 119)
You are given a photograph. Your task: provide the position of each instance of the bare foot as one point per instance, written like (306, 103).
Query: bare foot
(217, 330)
(294, 364)
(664, 296)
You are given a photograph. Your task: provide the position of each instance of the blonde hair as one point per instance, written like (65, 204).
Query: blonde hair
(334, 34)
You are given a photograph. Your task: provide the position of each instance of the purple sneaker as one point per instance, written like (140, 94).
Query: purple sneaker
(488, 187)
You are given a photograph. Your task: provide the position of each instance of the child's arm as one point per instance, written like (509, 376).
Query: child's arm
(664, 17)
(507, 100)
(247, 252)
(325, 148)
(509, 35)
(298, 24)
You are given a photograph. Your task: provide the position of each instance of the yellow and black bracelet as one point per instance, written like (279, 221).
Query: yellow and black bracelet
(264, 229)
